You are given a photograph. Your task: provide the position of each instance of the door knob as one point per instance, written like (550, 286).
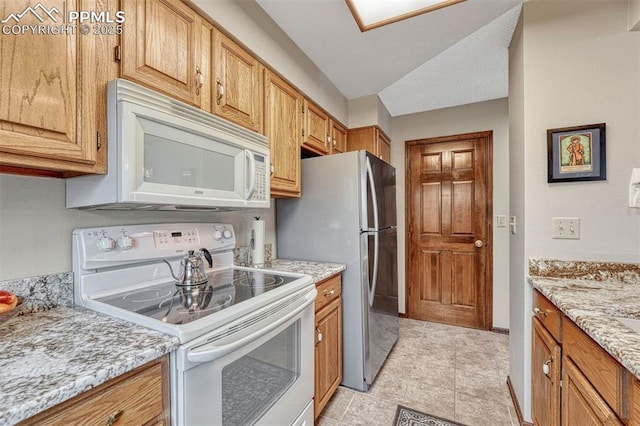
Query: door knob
(479, 243)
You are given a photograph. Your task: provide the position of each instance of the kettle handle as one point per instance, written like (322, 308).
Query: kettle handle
(207, 256)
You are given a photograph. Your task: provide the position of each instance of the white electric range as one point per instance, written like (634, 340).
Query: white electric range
(246, 352)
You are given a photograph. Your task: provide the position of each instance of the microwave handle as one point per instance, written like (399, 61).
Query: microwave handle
(252, 174)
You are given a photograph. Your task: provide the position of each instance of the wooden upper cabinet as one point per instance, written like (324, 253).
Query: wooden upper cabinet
(237, 80)
(162, 48)
(282, 125)
(315, 136)
(53, 102)
(372, 139)
(338, 138)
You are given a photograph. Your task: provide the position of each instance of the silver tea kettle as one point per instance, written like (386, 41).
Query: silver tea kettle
(192, 268)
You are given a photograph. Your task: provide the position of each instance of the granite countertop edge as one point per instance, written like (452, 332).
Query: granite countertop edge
(318, 271)
(586, 303)
(71, 351)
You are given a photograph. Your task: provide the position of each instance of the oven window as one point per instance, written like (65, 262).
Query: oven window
(253, 383)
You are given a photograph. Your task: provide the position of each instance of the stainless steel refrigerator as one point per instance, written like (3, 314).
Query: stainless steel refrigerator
(347, 214)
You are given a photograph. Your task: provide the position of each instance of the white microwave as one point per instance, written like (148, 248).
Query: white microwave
(166, 155)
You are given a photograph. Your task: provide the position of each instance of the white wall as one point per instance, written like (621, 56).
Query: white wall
(518, 313)
(491, 115)
(580, 65)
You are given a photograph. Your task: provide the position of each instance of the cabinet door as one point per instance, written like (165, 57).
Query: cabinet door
(282, 125)
(328, 353)
(581, 404)
(238, 89)
(316, 129)
(52, 116)
(362, 138)
(161, 48)
(338, 138)
(545, 377)
(384, 147)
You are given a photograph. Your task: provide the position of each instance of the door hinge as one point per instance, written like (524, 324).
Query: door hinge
(116, 53)
(303, 133)
(302, 109)
(98, 140)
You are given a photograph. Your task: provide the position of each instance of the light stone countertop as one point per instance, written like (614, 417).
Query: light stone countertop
(50, 356)
(317, 270)
(592, 305)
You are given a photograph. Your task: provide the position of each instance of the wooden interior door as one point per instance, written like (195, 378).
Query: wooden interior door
(449, 230)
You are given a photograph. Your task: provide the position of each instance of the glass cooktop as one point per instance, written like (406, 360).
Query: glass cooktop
(174, 304)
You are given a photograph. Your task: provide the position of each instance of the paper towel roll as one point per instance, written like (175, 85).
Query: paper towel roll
(257, 235)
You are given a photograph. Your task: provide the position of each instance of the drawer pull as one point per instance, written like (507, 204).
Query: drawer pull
(545, 367)
(319, 335)
(539, 311)
(329, 293)
(114, 417)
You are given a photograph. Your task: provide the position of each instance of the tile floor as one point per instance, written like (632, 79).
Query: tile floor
(452, 372)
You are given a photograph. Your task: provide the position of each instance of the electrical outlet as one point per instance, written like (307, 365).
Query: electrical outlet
(566, 228)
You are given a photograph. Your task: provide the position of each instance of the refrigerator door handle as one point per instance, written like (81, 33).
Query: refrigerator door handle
(376, 238)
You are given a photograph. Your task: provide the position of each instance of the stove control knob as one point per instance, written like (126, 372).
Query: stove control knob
(217, 235)
(227, 234)
(106, 244)
(125, 242)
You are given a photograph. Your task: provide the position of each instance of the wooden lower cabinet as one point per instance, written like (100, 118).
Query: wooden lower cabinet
(545, 376)
(328, 368)
(595, 388)
(140, 397)
(582, 405)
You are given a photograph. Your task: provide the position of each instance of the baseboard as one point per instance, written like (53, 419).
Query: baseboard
(516, 404)
(500, 330)
(402, 314)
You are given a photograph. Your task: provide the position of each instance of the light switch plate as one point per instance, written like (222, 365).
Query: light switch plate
(501, 221)
(566, 228)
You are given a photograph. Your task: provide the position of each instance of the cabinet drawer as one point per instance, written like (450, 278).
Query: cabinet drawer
(549, 314)
(328, 291)
(137, 397)
(607, 376)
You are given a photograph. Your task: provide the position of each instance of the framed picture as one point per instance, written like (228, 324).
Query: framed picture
(577, 153)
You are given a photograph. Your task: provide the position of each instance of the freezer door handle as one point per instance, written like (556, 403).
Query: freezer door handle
(376, 236)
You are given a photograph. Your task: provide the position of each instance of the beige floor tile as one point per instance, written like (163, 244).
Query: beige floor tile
(339, 403)
(389, 385)
(326, 421)
(473, 411)
(366, 410)
(483, 383)
(431, 400)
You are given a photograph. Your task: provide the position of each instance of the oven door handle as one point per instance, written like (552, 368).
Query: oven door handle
(211, 352)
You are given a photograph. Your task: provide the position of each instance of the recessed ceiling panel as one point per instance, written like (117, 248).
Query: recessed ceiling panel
(370, 14)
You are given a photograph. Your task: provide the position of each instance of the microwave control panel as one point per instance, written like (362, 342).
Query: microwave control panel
(260, 192)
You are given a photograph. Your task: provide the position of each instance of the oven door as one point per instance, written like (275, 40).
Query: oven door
(259, 370)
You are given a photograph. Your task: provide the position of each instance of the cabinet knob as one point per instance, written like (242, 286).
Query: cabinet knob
(199, 80)
(545, 367)
(319, 335)
(220, 92)
(114, 417)
(329, 293)
(539, 311)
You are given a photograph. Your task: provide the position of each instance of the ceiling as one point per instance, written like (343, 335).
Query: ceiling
(451, 56)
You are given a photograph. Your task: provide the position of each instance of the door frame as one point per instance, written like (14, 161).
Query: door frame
(487, 136)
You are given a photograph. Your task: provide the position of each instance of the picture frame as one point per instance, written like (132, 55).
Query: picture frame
(577, 153)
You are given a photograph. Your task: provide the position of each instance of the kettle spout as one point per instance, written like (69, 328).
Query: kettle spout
(171, 270)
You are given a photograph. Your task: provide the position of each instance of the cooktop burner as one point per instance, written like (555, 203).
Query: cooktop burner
(181, 305)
